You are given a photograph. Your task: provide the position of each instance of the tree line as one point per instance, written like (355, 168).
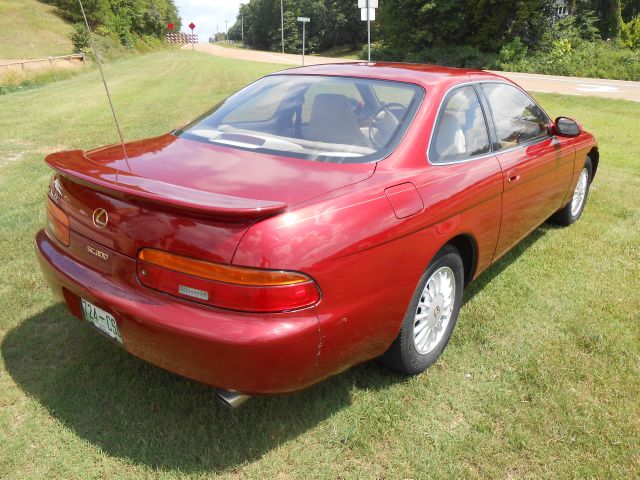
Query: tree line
(125, 20)
(333, 23)
(408, 27)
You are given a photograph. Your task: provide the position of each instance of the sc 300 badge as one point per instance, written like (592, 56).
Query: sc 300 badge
(98, 253)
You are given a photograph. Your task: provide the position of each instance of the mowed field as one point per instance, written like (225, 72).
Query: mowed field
(32, 29)
(541, 378)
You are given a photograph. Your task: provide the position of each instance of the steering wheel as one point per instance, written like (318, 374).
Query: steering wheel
(384, 124)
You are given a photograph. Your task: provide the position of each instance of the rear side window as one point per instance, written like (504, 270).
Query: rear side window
(517, 117)
(461, 129)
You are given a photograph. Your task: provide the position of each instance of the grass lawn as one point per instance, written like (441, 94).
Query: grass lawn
(346, 52)
(541, 378)
(31, 29)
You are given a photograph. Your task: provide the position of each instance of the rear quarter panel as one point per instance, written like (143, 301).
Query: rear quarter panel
(365, 259)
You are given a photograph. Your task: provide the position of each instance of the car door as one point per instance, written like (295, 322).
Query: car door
(464, 187)
(536, 167)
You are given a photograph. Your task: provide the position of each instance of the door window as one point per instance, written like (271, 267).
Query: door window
(517, 117)
(461, 130)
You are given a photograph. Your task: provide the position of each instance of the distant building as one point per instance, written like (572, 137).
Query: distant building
(562, 8)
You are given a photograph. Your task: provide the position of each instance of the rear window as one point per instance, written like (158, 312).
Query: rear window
(322, 118)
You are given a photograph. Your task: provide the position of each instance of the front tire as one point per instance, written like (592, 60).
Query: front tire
(431, 315)
(572, 211)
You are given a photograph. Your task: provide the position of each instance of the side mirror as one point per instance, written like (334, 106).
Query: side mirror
(567, 127)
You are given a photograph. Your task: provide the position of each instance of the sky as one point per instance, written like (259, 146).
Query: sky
(206, 14)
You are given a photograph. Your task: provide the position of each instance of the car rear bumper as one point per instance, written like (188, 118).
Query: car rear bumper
(248, 353)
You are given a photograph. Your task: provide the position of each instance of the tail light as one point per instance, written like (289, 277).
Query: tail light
(226, 286)
(57, 222)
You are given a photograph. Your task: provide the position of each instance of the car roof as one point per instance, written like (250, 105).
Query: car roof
(421, 74)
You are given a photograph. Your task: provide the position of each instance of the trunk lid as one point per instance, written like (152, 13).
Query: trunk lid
(184, 196)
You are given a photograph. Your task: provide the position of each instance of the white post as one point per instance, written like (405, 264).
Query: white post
(368, 34)
(303, 20)
(368, 16)
(282, 23)
(242, 26)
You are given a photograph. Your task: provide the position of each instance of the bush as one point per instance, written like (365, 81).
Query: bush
(381, 52)
(572, 47)
(630, 33)
(454, 56)
(514, 51)
(599, 59)
(109, 43)
(560, 49)
(19, 80)
(148, 43)
(80, 38)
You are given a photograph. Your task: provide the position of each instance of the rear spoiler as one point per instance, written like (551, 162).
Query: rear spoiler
(77, 167)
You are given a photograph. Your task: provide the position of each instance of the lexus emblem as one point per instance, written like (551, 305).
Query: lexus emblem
(100, 217)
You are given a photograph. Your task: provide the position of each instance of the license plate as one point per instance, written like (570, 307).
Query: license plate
(103, 321)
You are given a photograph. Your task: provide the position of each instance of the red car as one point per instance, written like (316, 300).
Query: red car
(318, 218)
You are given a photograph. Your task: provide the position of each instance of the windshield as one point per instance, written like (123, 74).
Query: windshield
(322, 118)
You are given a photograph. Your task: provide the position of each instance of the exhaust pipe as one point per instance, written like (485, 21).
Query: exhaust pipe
(231, 399)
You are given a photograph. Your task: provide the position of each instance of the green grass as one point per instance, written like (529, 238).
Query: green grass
(541, 378)
(345, 52)
(31, 29)
(16, 80)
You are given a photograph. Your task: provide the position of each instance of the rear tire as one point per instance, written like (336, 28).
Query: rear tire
(431, 315)
(572, 211)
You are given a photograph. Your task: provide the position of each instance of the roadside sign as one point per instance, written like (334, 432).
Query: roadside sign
(304, 21)
(363, 14)
(192, 26)
(170, 27)
(368, 14)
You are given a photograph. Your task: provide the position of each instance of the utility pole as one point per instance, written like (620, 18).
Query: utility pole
(217, 33)
(226, 33)
(242, 27)
(282, 23)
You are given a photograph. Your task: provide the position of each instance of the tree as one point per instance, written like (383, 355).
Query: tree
(630, 9)
(608, 13)
(123, 17)
(333, 23)
(484, 24)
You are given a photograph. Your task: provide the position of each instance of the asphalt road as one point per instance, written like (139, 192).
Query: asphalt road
(576, 86)
(533, 82)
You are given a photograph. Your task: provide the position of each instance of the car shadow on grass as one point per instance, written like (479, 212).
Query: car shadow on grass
(498, 267)
(137, 412)
(145, 415)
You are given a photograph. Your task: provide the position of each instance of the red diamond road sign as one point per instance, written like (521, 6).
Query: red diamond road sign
(192, 25)
(170, 26)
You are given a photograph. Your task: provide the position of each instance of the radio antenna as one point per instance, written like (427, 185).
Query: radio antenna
(106, 88)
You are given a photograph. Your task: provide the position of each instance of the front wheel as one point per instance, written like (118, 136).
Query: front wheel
(431, 316)
(571, 212)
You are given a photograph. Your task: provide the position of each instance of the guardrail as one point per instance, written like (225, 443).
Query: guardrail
(71, 58)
